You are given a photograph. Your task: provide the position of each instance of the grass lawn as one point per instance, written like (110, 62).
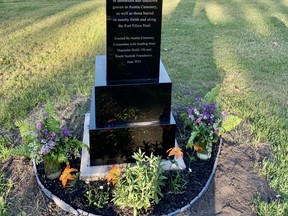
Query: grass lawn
(48, 50)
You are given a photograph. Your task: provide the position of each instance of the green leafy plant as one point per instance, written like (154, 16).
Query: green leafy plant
(212, 96)
(177, 183)
(48, 140)
(229, 123)
(5, 151)
(5, 187)
(140, 185)
(75, 180)
(191, 157)
(97, 196)
(28, 148)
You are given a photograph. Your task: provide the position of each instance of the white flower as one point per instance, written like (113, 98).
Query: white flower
(173, 166)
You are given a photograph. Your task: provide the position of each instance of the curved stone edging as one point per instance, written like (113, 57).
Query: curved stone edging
(66, 207)
(63, 205)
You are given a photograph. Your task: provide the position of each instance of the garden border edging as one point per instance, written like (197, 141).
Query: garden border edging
(66, 207)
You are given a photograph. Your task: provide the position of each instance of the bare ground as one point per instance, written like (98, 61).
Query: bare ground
(236, 183)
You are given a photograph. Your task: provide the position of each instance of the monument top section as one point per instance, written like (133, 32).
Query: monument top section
(133, 40)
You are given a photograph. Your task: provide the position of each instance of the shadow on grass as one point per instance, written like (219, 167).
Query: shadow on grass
(74, 75)
(62, 17)
(194, 67)
(187, 51)
(25, 13)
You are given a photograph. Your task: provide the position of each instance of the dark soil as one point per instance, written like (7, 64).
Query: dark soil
(195, 177)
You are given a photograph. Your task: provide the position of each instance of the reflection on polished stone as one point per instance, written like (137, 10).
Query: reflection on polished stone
(132, 103)
(117, 144)
(125, 103)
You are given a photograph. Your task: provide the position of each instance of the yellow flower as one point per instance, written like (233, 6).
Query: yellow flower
(175, 151)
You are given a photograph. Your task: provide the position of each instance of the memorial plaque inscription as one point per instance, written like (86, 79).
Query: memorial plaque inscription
(133, 40)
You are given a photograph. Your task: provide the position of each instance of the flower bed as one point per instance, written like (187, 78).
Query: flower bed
(196, 180)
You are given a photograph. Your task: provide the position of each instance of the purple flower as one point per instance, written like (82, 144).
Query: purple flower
(211, 122)
(215, 131)
(206, 115)
(44, 150)
(45, 114)
(51, 144)
(65, 132)
(45, 132)
(190, 112)
(39, 125)
(198, 120)
(52, 134)
(41, 152)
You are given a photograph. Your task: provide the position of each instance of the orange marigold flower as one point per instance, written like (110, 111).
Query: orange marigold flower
(65, 176)
(175, 151)
(114, 173)
(197, 147)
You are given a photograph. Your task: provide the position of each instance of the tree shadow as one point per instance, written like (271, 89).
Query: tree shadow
(192, 68)
(31, 14)
(68, 73)
(190, 63)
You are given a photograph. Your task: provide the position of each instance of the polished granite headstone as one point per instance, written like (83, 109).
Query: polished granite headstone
(131, 98)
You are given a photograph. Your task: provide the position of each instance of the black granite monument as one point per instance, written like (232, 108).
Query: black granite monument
(131, 98)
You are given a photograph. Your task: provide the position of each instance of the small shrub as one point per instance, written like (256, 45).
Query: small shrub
(207, 123)
(140, 184)
(47, 140)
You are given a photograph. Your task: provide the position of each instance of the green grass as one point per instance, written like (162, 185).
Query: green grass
(5, 187)
(242, 45)
(48, 50)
